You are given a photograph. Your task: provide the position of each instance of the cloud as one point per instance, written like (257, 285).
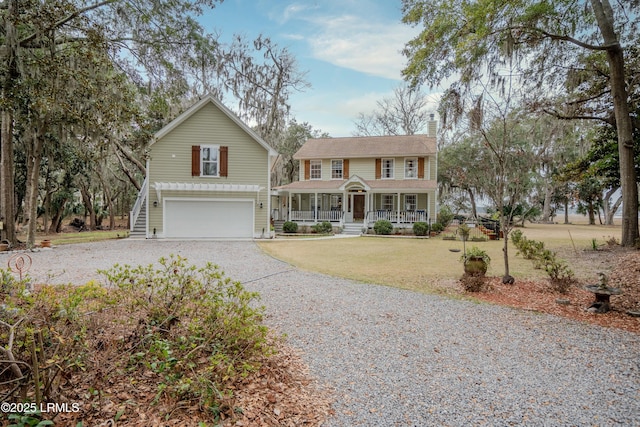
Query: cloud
(371, 47)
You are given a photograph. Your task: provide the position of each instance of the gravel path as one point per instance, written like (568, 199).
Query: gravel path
(395, 357)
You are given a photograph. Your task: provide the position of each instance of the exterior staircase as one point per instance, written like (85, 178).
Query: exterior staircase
(138, 215)
(138, 231)
(353, 228)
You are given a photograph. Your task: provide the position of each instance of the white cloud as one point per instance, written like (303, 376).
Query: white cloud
(371, 47)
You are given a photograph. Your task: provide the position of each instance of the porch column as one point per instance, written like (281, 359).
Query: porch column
(399, 204)
(288, 218)
(315, 210)
(345, 204)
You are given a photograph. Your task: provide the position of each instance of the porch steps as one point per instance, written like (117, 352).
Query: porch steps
(139, 231)
(352, 228)
(277, 226)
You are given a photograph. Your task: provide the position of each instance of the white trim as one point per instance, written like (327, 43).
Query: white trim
(354, 179)
(342, 168)
(415, 168)
(393, 168)
(197, 106)
(311, 163)
(212, 148)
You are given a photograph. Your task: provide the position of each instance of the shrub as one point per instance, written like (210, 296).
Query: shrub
(324, 227)
(560, 275)
(383, 227)
(476, 252)
(420, 228)
(290, 227)
(472, 283)
(193, 327)
(195, 330)
(437, 227)
(445, 216)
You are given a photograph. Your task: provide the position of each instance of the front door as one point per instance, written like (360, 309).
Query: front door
(358, 207)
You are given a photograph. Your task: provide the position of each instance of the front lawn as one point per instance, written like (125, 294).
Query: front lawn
(419, 264)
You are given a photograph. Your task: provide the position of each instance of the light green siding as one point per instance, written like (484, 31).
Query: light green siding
(170, 161)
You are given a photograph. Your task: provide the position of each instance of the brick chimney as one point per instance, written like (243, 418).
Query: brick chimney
(432, 126)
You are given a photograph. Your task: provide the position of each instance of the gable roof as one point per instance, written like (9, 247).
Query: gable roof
(197, 106)
(367, 146)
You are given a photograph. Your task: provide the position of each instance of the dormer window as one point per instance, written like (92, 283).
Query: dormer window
(411, 168)
(337, 169)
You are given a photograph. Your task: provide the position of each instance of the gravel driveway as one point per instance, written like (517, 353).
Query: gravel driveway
(396, 357)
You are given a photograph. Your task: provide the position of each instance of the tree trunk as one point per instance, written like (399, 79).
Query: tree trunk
(612, 211)
(624, 126)
(566, 211)
(546, 207)
(472, 200)
(592, 214)
(7, 181)
(56, 218)
(33, 173)
(88, 206)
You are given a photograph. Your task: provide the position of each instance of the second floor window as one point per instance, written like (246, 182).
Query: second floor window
(387, 168)
(209, 160)
(410, 168)
(336, 169)
(315, 169)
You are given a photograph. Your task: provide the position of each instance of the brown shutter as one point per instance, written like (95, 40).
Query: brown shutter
(224, 161)
(421, 167)
(307, 171)
(345, 169)
(378, 168)
(195, 160)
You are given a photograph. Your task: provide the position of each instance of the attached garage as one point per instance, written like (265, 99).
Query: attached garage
(208, 218)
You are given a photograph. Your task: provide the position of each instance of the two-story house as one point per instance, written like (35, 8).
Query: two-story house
(208, 176)
(361, 180)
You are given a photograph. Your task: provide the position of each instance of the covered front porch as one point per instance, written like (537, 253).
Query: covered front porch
(351, 201)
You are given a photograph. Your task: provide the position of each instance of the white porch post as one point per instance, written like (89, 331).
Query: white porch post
(399, 203)
(289, 207)
(315, 208)
(345, 203)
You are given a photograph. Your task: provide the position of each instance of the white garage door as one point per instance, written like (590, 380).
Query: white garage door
(208, 219)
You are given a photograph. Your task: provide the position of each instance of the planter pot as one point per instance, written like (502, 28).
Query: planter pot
(4, 247)
(45, 244)
(475, 266)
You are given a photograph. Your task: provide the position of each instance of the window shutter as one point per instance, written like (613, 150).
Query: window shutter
(224, 161)
(378, 168)
(421, 167)
(345, 169)
(307, 170)
(195, 160)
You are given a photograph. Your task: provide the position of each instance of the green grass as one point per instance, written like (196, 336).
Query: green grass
(83, 237)
(418, 264)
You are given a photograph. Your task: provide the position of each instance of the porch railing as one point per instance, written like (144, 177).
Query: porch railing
(308, 216)
(397, 217)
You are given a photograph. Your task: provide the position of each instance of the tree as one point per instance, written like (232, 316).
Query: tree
(295, 136)
(477, 38)
(404, 114)
(143, 37)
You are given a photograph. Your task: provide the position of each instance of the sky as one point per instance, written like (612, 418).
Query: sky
(349, 49)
